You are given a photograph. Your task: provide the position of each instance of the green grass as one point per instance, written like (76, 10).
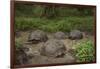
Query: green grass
(52, 19)
(52, 25)
(85, 51)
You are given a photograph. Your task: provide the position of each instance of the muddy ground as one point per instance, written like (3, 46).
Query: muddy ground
(39, 59)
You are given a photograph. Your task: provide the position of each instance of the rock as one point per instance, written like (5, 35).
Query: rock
(75, 34)
(37, 36)
(60, 35)
(53, 48)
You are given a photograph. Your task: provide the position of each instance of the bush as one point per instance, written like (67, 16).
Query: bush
(52, 18)
(24, 10)
(84, 52)
(64, 24)
(50, 11)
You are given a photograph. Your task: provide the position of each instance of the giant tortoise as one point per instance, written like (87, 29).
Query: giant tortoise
(60, 35)
(75, 34)
(37, 36)
(53, 48)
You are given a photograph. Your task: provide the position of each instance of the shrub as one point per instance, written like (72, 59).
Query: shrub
(84, 51)
(64, 24)
(51, 18)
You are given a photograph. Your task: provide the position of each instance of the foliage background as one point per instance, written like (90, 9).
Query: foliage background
(51, 18)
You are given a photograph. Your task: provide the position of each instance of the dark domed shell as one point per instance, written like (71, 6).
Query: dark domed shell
(75, 34)
(37, 36)
(60, 35)
(53, 48)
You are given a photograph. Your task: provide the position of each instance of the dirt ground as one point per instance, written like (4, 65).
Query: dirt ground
(38, 59)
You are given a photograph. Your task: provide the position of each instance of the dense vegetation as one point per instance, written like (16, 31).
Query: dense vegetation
(52, 18)
(84, 51)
